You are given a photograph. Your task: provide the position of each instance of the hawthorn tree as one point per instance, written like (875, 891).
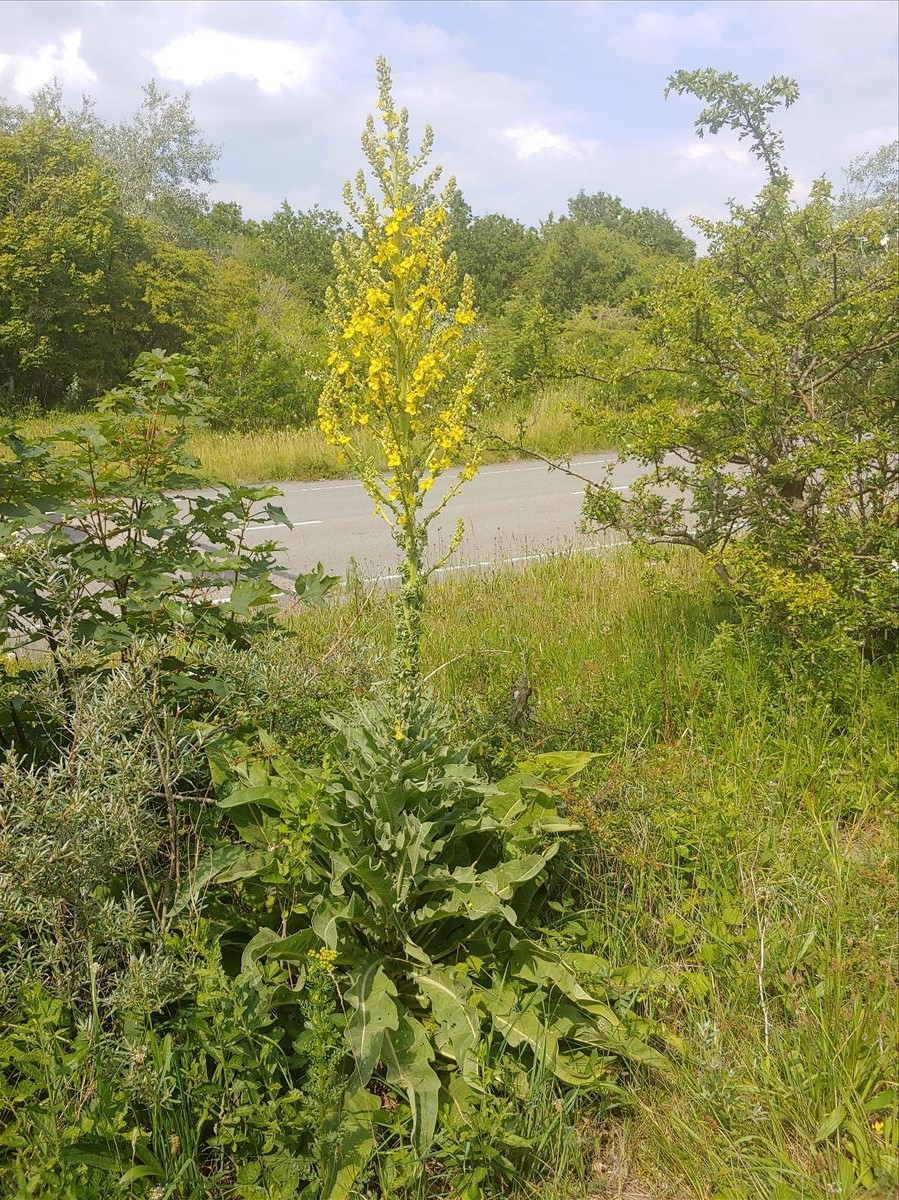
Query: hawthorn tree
(761, 392)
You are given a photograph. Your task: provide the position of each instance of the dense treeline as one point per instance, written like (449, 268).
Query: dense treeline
(110, 245)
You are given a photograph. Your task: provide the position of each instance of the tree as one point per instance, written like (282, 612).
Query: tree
(733, 104)
(261, 348)
(69, 297)
(159, 157)
(139, 545)
(298, 246)
(497, 252)
(651, 228)
(580, 264)
(161, 161)
(873, 180)
(762, 391)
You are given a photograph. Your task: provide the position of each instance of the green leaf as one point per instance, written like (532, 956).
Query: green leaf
(373, 996)
(407, 1054)
(248, 594)
(135, 1173)
(459, 1027)
(314, 586)
(225, 865)
(267, 796)
(830, 1124)
(561, 766)
(355, 1142)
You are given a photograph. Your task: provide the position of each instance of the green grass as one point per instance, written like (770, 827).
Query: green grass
(739, 837)
(545, 422)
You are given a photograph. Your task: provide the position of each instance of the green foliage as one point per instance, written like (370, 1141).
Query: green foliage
(159, 157)
(650, 228)
(761, 388)
(161, 161)
(298, 247)
(108, 245)
(497, 252)
(519, 349)
(68, 295)
(580, 264)
(733, 104)
(197, 1102)
(262, 350)
(420, 878)
(82, 834)
(873, 181)
(108, 537)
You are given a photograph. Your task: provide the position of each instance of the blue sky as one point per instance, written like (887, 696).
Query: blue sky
(530, 101)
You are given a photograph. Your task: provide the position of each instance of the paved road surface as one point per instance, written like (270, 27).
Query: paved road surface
(512, 512)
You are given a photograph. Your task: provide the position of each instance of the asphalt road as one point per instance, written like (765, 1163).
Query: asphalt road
(513, 512)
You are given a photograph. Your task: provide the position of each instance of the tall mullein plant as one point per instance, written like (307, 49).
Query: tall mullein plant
(404, 367)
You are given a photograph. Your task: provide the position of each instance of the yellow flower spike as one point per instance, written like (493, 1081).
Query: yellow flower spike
(399, 363)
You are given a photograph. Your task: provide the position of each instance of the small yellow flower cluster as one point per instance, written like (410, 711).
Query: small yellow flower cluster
(323, 958)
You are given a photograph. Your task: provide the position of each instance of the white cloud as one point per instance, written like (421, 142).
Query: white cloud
(657, 35)
(696, 151)
(207, 55)
(534, 139)
(61, 60)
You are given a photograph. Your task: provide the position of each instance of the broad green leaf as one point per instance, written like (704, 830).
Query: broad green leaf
(225, 865)
(830, 1124)
(561, 766)
(407, 1057)
(256, 947)
(294, 948)
(267, 796)
(372, 995)
(313, 587)
(355, 1142)
(539, 965)
(459, 1025)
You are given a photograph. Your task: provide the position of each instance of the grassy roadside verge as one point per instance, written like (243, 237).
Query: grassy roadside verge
(273, 455)
(739, 840)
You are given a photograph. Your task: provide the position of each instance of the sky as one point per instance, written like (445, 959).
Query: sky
(530, 101)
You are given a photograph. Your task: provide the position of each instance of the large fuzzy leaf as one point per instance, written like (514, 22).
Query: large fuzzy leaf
(355, 1142)
(516, 1018)
(353, 912)
(559, 766)
(542, 966)
(459, 1026)
(372, 995)
(599, 1025)
(407, 1057)
(477, 894)
(225, 865)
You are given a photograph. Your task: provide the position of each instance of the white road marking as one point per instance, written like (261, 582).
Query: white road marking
(284, 525)
(501, 562)
(622, 487)
(325, 487)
